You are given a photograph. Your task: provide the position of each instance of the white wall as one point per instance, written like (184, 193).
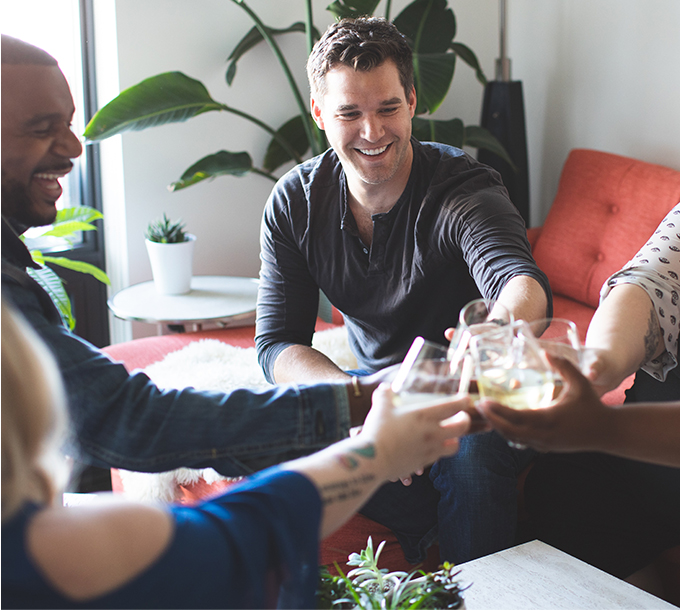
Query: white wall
(596, 73)
(602, 74)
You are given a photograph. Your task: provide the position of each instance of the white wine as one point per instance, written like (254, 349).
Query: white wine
(517, 388)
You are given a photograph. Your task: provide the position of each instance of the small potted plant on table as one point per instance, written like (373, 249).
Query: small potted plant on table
(171, 252)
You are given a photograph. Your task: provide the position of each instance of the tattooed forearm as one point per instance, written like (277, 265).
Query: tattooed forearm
(341, 491)
(350, 462)
(652, 337)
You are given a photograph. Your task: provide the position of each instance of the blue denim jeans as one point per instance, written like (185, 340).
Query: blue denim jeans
(478, 505)
(468, 502)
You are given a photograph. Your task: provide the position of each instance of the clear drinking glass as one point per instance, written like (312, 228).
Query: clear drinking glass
(427, 376)
(511, 368)
(558, 336)
(477, 317)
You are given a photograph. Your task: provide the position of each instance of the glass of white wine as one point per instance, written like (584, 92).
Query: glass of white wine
(427, 376)
(511, 367)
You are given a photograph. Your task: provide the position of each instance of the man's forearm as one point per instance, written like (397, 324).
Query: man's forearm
(525, 298)
(302, 364)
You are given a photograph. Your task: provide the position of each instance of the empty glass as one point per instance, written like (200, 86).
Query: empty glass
(477, 317)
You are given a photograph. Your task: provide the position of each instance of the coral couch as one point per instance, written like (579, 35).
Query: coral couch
(605, 209)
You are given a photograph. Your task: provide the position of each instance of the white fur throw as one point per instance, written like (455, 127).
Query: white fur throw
(212, 365)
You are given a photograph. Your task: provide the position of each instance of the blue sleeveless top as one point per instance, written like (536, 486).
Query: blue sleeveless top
(254, 547)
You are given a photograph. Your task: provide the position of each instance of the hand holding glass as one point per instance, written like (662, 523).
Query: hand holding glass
(511, 369)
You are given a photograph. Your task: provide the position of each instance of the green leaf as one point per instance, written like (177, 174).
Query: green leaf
(68, 228)
(79, 266)
(468, 56)
(293, 131)
(430, 27)
(54, 287)
(83, 213)
(435, 73)
(221, 163)
(352, 8)
(478, 137)
(451, 132)
(37, 256)
(253, 38)
(171, 97)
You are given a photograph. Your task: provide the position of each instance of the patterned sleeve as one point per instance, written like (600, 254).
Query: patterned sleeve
(656, 269)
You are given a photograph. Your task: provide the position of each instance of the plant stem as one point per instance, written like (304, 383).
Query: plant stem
(291, 81)
(261, 172)
(281, 140)
(388, 5)
(308, 26)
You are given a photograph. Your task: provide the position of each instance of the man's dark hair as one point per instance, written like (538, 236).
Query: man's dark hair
(18, 52)
(363, 44)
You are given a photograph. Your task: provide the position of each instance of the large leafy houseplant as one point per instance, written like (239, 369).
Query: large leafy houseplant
(171, 97)
(67, 224)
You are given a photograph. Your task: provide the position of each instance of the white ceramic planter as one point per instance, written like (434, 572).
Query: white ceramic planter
(172, 265)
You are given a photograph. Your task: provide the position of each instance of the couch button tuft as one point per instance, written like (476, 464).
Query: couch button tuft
(600, 256)
(614, 209)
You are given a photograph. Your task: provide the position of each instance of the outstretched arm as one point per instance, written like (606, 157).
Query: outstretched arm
(623, 334)
(579, 421)
(392, 443)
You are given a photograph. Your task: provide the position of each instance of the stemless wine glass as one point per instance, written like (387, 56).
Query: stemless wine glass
(427, 376)
(558, 336)
(511, 369)
(477, 317)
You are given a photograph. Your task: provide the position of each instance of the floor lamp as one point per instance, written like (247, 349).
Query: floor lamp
(503, 116)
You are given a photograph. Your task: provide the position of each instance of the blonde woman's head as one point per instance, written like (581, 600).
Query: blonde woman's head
(33, 417)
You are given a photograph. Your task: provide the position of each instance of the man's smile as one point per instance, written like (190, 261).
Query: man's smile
(372, 152)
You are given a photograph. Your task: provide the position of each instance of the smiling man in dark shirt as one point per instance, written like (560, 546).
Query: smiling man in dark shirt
(399, 235)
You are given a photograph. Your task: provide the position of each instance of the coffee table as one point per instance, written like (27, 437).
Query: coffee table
(536, 575)
(225, 300)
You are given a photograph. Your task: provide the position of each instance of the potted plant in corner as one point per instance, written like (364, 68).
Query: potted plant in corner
(171, 253)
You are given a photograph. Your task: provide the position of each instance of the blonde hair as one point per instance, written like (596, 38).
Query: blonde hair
(33, 417)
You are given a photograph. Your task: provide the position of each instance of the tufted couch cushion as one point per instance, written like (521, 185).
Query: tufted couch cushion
(605, 209)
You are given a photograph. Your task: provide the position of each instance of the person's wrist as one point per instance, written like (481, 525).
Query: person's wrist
(359, 393)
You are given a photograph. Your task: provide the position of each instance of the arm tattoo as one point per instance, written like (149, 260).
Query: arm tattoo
(350, 462)
(341, 491)
(652, 337)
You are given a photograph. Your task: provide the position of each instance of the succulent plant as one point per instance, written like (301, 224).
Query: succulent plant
(166, 231)
(367, 586)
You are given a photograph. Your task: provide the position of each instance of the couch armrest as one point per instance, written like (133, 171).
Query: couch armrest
(533, 233)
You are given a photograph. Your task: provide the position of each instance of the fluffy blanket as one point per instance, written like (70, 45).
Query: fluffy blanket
(212, 365)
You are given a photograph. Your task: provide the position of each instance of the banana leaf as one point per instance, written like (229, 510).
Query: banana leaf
(430, 27)
(294, 132)
(352, 8)
(53, 286)
(221, 163)
(454, 133)
(451, 132)
(468, 56)
(478, 137)
(254, 37)
(171, 97)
